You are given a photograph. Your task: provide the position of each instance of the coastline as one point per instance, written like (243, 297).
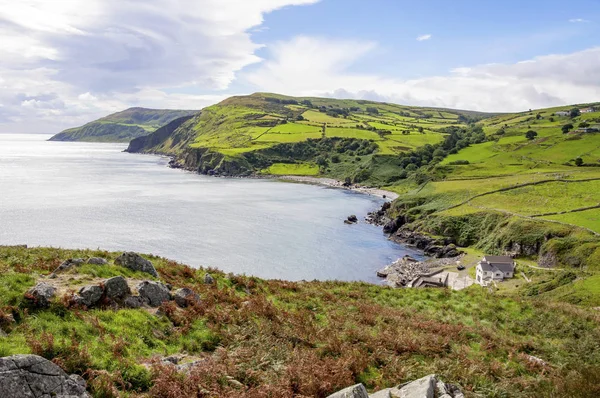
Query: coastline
(333, 183)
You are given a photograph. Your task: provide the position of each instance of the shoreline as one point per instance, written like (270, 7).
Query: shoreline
(333, 183)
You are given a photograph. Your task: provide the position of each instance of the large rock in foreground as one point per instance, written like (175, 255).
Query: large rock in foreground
(426, 387)
(136, 262)
(31, 376)
(356, 391)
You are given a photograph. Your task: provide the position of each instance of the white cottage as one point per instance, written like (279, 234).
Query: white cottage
(494, 268)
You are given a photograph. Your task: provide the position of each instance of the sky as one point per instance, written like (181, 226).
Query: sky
(66, 62)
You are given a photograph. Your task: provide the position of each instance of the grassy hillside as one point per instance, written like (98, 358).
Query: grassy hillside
(531, 197)
(260, 338)
(339, 138)
(122, 126)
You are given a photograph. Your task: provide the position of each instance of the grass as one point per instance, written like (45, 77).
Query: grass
(287, 339)
(587, 219)
(292, 169)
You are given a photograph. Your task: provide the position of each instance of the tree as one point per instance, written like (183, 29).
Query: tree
(551, 119)
(584, 125)
(573, 113)
(579, 162)
(566, 128)
(372, 110)
(531, 135)
(538, 116)
(421, 129)
(299, 118)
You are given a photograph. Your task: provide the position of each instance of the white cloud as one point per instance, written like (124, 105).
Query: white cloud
(316, 66)
(118, 50)
(423, 37)
(578, 20)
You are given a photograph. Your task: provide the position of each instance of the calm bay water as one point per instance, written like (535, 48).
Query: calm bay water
(90, 195)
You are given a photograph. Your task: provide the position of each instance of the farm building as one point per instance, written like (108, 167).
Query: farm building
(494, 268)
(562, 113)
(587, 110)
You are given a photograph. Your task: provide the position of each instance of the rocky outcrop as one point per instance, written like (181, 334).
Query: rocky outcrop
(356, 391)
(116, 288)
(90, 295)
(403, 271)
(352, 219)
(67, 264)
(31, 376)
(379, 217)
(427, 387)
(135, 262)
(434, 247)
(153, 293)
(184, 297)
(41, 295)
(97, 261)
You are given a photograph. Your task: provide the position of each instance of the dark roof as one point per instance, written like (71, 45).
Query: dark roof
(499, 259)
(504, 267)
(485, 266)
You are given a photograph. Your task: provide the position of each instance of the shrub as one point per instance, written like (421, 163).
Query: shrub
(459, 162)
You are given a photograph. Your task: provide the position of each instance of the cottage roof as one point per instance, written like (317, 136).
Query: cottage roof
(499, 259)
(497, 263)
(485, 266)
(504, 267)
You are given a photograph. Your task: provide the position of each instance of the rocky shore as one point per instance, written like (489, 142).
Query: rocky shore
(332, 183)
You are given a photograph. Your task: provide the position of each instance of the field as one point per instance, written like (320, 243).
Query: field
(287, 339)
(510, 160)
(292, 169)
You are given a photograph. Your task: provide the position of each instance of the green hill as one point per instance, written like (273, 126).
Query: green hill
(275, 134)
(122, 126)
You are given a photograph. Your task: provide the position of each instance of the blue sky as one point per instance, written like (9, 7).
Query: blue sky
(65, 63)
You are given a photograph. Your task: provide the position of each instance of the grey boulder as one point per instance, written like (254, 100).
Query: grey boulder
(427, 387)
(381, 394)
(355, 391)
(422, 388)
(31, 376)
(183, 297)
(208, 279)
(133, 302)
(136, 262)
(96, 261)
(41, 294)
(90, 295)
(67, 264)
(116, 288)
(154, 293)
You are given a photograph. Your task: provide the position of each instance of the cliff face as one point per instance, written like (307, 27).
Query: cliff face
(153, 140)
